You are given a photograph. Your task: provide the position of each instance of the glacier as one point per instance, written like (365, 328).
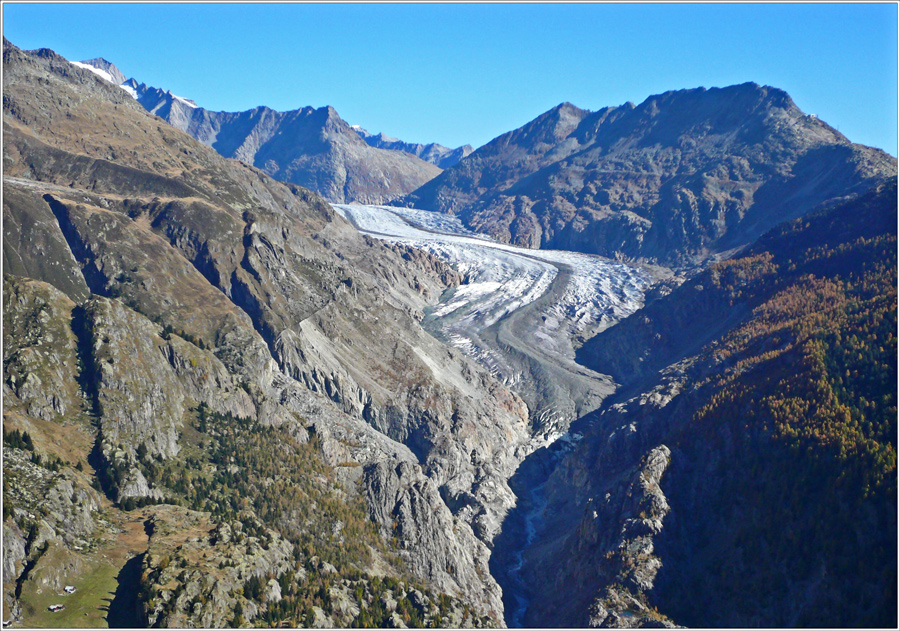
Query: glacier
(521, 313)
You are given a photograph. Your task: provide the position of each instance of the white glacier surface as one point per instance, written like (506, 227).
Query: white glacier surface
(500, 278)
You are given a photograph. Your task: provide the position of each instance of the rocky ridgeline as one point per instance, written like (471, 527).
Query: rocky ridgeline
(434, 153)
(312, 147)
(681, 179)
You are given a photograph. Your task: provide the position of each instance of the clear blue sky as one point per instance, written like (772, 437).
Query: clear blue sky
(466, 73)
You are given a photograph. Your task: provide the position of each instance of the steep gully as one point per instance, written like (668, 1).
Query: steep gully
(520, 313)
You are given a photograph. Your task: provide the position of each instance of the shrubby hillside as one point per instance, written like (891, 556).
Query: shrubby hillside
(747, 474)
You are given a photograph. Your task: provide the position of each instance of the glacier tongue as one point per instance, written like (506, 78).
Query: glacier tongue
(521, 313)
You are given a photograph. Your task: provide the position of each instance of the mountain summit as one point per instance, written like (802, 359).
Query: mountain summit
(681, 177)
(115, 75)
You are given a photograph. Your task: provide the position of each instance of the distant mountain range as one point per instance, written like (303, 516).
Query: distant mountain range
(434, 153)
(312, 147)
(682, 177)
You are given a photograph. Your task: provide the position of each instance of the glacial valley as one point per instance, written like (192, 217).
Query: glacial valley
(233, 398)
(520, 313)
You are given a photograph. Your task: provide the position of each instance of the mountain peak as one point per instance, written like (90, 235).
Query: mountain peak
(107, 66)
(567, 106)
(102, 68)
(748, 95)
(615, 167)
(566, 110)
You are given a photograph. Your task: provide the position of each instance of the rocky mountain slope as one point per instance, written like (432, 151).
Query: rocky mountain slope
(682, 177)
(191, 291)
(746, 475)
(434, 153)
(314, 148)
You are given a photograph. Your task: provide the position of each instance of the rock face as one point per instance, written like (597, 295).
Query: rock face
(142, 384)
(193, 282)
(314, 148)
(683, 176)
(40, 350)
(69, 510)
(399, 491)
(434, 153)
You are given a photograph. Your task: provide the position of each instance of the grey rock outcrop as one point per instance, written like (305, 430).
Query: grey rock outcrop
(39, 350)
(187, 594)
(13, 553)
(407, 506)
(58, 502)
(139, 399)
(614, 484)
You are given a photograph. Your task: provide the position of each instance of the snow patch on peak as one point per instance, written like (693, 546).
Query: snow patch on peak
(103, 74)
(361, 131)
(100, 73)
(187, 102)
(128, 87)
